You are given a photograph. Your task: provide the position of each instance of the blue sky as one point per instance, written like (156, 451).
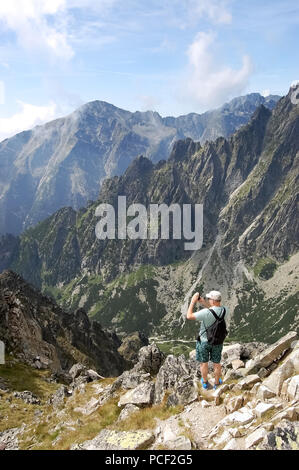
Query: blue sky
(171, 56)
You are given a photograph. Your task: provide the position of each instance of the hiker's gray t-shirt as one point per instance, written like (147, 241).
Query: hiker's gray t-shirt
(207, 319)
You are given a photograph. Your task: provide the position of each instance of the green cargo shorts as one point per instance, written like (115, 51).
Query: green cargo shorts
(206, 352)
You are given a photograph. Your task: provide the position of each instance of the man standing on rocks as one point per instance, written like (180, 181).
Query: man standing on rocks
(204, 350)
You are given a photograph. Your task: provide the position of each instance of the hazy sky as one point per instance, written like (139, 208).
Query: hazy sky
(172, 56)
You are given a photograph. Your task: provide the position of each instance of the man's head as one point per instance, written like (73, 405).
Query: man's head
(214, 297)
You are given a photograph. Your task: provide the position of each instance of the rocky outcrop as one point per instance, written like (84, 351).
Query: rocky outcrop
(150, 359)
(131, 345)
(37, 331)
(142, 395)
(243, 413)
(284, 437)
(113, 440)
(178, 377)
(272, 354)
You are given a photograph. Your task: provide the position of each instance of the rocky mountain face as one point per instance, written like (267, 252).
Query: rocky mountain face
(159, 404)
(64, 162)
(247, 185)
(38, 332)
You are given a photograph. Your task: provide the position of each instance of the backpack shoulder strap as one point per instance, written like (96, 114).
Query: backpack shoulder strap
(221, 315)
(214, 313)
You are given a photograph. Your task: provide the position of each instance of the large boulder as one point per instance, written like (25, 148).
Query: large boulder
(131, 345)
(185, 392)
(9, 438)
(175, 374)
(231, 352)
(289, 367)
(285, 436)
(251, 350)
(127, 411)
(272, 353)
(80, 374)
(248, 382)
(142, 395)
(293, 388)
(150, 359)
(169, 435)
(117, 440)
(130, 379)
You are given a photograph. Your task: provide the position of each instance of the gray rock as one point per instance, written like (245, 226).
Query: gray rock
(248, 382)
(76, 370)
(57, 399)
(130, 379)
(185, 392)
(285, 436)
(237, 364)
(28, 397)
(262, 408)
(233, 374)
(264, 392)
(232, 445)
(173, 375)
(293, 388)
(150, 359)
(9, 438)
(169, 434)
(290, 414)
(142, 395)
(116, 440)
(131, 345)
(255, 438)
(233, 404)
(89, 408)
(251, 350)
(127, 411)
(231, 352)
(272, 353)
(276, 380)
(81, 375)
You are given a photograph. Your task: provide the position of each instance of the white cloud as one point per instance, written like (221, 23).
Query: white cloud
(148, 102)
(29, 116)
(47, 25)
(186, 13)
(265, 93)
(38, 25)
(215, 10)
(208, 82)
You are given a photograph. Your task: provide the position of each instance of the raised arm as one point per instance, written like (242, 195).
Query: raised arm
(195, 298)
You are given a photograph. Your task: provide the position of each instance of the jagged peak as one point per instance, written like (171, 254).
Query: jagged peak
(184, 148)
(138, 167)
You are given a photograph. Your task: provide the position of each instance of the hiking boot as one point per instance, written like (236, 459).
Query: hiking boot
(204, 384)
(217, 385)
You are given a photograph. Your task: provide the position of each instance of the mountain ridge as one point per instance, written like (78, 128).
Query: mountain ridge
(64, 162)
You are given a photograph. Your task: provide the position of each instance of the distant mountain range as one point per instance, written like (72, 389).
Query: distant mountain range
(247, 184)
(64, 162)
